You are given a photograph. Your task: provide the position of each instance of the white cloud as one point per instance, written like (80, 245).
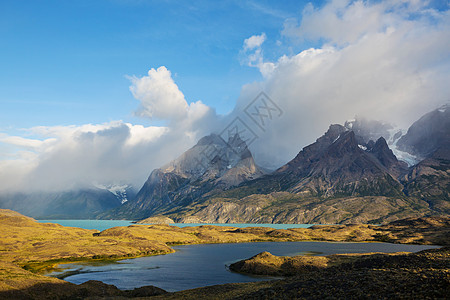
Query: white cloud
(379, 61)
(77, 156)
(252, 54)
(159, 95)
(254, 41)
(71, 157)
(22, 142)
(161, 98)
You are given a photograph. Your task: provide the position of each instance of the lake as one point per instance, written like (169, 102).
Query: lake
(105, 224)
(195, 266)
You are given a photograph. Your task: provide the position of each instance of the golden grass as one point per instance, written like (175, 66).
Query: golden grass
(26, 245)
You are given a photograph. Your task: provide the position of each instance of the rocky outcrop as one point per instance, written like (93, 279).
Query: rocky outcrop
(270, 265)
(92, 289)
(360, 276)
(430, 180)
(156, 220)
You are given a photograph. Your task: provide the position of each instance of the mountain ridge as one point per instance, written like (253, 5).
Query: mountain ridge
(342, 177)
(349, 174)
(212, 164)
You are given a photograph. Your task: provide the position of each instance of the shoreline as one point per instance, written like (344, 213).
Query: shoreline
(37, 266)
(26, 245)
(93, 261)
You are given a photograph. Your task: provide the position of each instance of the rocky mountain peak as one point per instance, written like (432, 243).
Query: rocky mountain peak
(211, 139)
(332, 134)
(211, 155)
(212, 163)
(345, 143)
(381, 150)
(428, 134)
(337, 164)
(366, 130)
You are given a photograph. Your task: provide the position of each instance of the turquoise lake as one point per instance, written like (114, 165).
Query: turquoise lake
(105, 224)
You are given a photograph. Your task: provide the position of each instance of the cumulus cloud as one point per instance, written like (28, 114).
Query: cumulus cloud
(76, 156)
(385, 60)
(161, 98)
(159, 95)
(72, 157)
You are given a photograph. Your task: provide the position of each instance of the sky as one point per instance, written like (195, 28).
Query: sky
(103, 92)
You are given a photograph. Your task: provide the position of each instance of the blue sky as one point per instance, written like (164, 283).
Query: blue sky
(102, 92)
(65, 62)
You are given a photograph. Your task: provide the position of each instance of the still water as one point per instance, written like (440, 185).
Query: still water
(105, 224)
(195, 266)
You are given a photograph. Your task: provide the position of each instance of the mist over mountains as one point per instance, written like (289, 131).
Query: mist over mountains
(349, 174)
(345, 176)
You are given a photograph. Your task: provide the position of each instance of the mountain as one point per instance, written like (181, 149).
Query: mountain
(429, 139)
(347, 175)
(211, 165)
(123, 192)
(337, 165)
(428, 134)
(430, 180)
(338, 179)
(369, 130)
(77, 204)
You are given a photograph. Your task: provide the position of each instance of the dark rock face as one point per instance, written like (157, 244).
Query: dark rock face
(387, 158)
(337, 165)
(428, 134)
(430, 180)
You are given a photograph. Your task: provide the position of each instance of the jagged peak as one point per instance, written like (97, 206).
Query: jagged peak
(212, 157)
(346, 142)
(333, 133)
(211, 139)
(381, 142)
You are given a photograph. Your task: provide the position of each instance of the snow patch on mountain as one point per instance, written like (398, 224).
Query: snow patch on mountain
(119, 190)
(410, 159)
(362, 147)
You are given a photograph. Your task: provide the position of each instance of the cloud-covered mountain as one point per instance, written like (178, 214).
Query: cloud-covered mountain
(211, 165)
(78, 204)
(428, 134)
(342, 177)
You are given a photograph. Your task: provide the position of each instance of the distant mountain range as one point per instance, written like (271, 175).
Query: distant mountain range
(350, 174)
(76, 204)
